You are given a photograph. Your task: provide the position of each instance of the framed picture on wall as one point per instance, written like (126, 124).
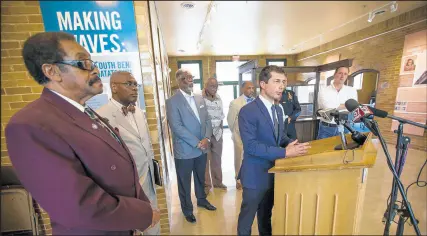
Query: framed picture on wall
(408, 65)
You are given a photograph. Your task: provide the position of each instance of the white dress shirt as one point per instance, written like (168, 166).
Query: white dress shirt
(74, 103)
(268, 105)
(329, 97)
(191, 102)
(130, 116)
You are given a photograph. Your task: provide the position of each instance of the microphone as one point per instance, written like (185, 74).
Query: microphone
(327, 114)
(360, 112)
(343, 145)
(357, 137)
(357, 110)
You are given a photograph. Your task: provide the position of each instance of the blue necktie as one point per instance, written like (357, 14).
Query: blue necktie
(248, 100)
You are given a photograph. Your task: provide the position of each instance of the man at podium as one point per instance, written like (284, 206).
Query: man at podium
(262, 131)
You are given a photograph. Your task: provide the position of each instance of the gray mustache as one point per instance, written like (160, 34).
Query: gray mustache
(94, 80)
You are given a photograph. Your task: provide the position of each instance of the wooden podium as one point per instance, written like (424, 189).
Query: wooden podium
(323, 191)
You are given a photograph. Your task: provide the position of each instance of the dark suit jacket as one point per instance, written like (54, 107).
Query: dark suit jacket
(84, 179)
(290, 104)
(260, 149)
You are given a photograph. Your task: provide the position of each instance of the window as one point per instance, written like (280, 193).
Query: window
(358, 81)
(195, 67)
(227, 70)
(276, 62)
(247, 76)
(305, 96)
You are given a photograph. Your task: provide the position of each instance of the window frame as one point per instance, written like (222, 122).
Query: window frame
(284, 60)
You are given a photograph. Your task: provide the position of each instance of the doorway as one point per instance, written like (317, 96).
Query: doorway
(227, 74)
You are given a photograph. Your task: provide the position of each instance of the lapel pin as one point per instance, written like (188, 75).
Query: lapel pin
(94, 126)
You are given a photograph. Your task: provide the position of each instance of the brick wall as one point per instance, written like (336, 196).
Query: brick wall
(209, 64)
(21, 19)
(146, 19)
(382, 53)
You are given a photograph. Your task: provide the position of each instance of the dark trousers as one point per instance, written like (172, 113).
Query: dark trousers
(184, 168)
(290, 130)
(259, 202)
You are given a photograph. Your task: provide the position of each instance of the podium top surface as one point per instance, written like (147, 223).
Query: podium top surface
(323, 156)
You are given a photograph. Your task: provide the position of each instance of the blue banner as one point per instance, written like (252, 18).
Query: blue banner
(99, 26)
(107, 29)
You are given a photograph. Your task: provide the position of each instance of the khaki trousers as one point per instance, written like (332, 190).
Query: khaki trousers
(213, 164)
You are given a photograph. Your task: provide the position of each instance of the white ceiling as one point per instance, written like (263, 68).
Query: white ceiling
(266, 27)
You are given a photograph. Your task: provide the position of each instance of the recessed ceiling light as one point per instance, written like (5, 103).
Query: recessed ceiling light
(188, 5)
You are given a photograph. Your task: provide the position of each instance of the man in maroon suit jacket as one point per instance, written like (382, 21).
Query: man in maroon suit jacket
(74, 165)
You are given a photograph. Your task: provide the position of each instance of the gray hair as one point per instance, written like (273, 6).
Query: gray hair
(180, 74)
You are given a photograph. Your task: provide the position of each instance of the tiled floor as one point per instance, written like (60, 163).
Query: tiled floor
(223, 221)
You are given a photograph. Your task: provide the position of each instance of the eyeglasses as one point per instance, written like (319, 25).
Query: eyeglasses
(85, 64)
(130, 84)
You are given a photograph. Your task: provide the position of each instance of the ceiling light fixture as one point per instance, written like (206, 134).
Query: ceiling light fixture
(372, 14)
(211, 8)
(393, 7)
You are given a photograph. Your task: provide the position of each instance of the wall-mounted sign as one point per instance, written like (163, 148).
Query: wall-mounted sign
(107, 29)
(411, 98)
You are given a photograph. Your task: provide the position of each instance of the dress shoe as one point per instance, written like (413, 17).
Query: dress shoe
(208, 206)
(191, 218)
(238, 186)
(221, 186)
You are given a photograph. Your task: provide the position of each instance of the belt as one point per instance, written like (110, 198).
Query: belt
(327, 124)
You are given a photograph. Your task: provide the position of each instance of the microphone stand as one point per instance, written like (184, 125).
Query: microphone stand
(402, 146)
(401, 151)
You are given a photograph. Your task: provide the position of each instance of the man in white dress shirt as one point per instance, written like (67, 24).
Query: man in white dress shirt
(334, 96)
